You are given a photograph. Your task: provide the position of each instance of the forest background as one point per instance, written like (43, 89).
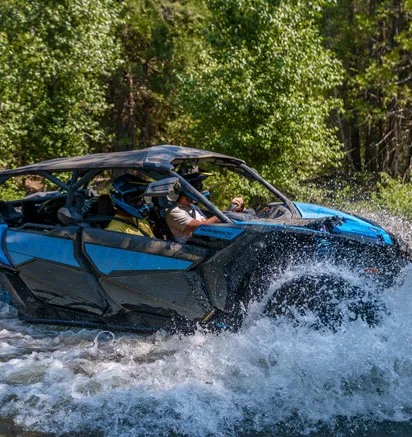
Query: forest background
(315, 94)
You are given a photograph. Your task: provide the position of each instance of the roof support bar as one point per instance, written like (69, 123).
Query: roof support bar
(255, 175)
(86, 178)
(53, 179)
(202, 199)
(4, 178)
(83, 180)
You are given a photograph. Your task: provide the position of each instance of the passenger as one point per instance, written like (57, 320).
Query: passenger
(237, 205)
(127, 196)
(184, 217)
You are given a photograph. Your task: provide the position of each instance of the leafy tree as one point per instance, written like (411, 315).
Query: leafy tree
(262, 89)
(373, 40)
(159, 38)
(54, 59)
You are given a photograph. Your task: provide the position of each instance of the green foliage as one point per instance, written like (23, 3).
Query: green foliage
(159, 39)
(373, 40)
(339, 190)
(11, 190)
(262, 90)
(19, 187)
(225, 185)
(54, 59)
(383, 81)
(394, 196)
(255, 81)
(361, 193)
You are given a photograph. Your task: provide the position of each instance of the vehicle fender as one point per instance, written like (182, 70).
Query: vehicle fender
(351, 225)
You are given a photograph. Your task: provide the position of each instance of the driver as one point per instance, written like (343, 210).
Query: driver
(196, 176)
(131, 209)
(184, 217)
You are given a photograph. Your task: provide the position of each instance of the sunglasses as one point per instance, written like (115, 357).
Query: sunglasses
(134, 199)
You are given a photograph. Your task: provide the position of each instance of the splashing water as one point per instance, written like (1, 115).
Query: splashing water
(273, 377)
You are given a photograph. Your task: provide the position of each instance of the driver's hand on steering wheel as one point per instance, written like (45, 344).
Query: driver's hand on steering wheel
(237, 205)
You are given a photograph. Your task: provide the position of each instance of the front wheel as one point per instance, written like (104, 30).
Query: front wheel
(326, 301)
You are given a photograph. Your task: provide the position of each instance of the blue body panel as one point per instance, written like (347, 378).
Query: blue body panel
(108, 259)
(351, 225)
(24, 246)
(223, 233)
(277, 225)
(3, 256)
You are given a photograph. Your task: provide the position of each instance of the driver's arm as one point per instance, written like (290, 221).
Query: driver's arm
(194, 224)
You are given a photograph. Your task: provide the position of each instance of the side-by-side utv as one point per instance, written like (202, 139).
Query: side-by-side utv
(59, 264)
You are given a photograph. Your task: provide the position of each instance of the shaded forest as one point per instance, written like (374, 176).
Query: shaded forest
(301, 89)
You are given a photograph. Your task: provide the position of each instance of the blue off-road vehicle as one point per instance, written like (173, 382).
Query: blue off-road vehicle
(59, 264)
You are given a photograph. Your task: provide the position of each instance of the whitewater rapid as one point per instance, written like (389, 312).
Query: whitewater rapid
(273, 377)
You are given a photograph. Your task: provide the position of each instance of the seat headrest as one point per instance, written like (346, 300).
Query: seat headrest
(105, 205)
(68, 216)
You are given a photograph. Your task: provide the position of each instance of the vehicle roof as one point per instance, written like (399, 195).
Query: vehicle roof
(163, 157)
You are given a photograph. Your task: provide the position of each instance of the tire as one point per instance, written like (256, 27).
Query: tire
(326, 300)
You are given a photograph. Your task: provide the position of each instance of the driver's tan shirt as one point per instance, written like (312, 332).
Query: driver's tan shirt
(178, 217)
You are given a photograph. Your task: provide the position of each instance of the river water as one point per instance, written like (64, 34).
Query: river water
(273, 378)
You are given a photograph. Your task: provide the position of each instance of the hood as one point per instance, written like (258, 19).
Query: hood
(352, 224)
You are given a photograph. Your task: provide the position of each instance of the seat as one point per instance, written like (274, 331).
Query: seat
(99, 210)
(8, 214)
(158, 217)
(30, 212)
(49, 209)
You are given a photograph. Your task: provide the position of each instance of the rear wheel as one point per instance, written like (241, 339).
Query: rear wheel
(326, 300)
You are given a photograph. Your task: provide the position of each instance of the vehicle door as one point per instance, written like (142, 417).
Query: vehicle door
(49, 262)
(148, 275)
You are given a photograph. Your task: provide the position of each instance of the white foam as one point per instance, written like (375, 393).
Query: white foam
(271, 372)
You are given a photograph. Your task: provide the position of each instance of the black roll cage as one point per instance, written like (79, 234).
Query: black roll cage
(79, 179)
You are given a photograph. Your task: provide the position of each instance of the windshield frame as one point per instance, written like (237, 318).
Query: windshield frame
(243, 170)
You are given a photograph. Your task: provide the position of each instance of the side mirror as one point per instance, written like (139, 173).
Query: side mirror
(169, 187)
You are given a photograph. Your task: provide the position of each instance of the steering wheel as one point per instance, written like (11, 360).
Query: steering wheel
(273, 211)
